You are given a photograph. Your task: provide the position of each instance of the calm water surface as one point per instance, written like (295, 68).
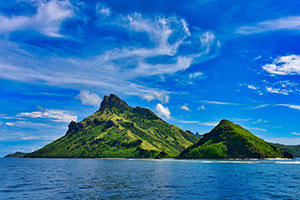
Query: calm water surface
(148, 179)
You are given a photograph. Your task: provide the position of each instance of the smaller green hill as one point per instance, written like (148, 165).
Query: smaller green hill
(229, 140)
(15, 155)
(293, 149)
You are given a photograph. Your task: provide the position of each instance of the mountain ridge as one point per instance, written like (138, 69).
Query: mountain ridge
(119, 130)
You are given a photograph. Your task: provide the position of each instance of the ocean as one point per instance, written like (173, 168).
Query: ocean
(148, 179)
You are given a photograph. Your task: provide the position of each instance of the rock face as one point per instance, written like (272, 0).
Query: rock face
(229, 140)
(117, 130)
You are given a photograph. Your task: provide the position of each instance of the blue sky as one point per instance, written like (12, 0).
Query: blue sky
(192, 63)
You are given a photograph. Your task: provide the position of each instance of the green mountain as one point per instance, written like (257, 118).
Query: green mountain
(292, 149)
(229, 140)
(117, 130)
(15, 155)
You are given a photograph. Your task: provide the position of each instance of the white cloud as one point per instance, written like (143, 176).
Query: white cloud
(284, 65)
(47, 20)
(185, 107)
(297, 107)
(88, 98)
(52, 114)
(294, 133)
(161, 96)
(195, 75)
(9, 124)
(277, 91)
(252, 87)
(219, 103)
(163, 111)
(285, 23)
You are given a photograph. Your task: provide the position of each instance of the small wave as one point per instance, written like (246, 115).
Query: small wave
(288, 162)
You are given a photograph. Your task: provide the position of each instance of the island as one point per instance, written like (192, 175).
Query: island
(118, 130)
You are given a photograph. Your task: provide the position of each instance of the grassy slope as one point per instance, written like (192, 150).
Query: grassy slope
(119, 132)
(229, 140)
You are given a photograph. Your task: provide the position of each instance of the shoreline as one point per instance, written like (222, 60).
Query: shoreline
(175, 159)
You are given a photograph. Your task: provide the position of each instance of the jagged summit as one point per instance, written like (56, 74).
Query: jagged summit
(113, 101)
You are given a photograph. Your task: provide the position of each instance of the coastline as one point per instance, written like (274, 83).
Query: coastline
(176, 159)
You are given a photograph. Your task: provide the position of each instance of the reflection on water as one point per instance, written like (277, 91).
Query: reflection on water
(148, 179)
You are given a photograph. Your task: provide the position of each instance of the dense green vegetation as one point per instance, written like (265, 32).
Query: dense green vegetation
(15, 155)
(292, 149)
(229, 140)
(117, 130)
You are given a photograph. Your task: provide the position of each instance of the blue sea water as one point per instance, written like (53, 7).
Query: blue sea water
(148, 179)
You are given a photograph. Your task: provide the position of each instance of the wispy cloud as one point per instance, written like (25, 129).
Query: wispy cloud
(52, 114)
(103, 10)
(89, 98)
(297, 107)
(260, 106)
(284, 65)
(284, 140)
(27, 124)
(285, 23)
(195, 75)
(256, 129)
(168, 35)
(24, 136)
(219, 103)
(168, 46)
(47, 20)
(282, 87)
(198, 123)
